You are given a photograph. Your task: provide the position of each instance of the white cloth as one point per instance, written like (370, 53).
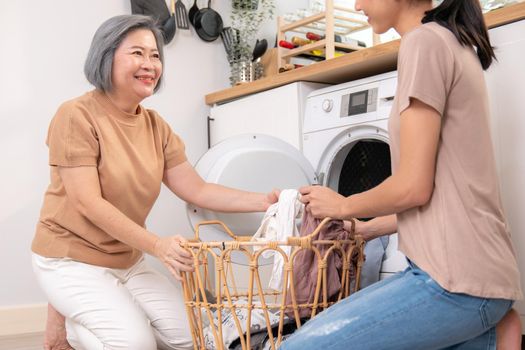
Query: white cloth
(278, 224)
(135, 309)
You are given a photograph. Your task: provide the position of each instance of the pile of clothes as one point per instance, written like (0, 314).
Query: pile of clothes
(259, 334)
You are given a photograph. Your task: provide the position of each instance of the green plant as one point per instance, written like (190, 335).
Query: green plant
(247, 17)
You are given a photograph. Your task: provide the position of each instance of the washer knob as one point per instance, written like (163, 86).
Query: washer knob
(327, 105)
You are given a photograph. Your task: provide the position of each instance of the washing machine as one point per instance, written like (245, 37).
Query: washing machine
(345, 138)
(340, 135)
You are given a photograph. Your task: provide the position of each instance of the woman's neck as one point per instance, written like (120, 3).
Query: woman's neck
(412, 16)
(122, 103)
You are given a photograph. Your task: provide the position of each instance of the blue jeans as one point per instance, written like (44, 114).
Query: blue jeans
(408, 311)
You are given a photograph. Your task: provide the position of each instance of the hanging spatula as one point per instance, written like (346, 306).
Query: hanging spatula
(182, 15)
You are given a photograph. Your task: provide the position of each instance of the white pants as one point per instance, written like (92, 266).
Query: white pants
(136, 308)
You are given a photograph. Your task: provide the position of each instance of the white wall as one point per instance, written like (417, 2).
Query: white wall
(42, 50)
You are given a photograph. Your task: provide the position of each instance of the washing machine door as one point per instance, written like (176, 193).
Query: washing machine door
(251, 162)
(355, 160)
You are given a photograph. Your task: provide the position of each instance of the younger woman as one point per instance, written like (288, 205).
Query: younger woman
(462, 277)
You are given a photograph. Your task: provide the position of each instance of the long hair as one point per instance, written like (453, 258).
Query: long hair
(464, 19)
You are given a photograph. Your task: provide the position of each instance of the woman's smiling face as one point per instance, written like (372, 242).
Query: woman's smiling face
(136, 67)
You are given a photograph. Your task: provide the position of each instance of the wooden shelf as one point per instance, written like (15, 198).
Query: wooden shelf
(355, 65)
(324, 21)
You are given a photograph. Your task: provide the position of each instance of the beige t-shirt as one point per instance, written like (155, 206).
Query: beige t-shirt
(460, 237)
(130, 151)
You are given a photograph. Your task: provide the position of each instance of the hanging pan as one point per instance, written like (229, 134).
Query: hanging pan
(158, 10)
(208, 23)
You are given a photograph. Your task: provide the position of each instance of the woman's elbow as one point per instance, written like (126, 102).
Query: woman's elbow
(419, 195)
(83, 205)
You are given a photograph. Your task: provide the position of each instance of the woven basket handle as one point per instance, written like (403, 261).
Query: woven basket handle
(323, 223)
(215, 222)
(318, 228)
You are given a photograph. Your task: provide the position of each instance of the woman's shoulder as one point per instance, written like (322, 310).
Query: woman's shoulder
(75, 112)
(428, 40)
(429, 35)
(425, 33)
(77, 103)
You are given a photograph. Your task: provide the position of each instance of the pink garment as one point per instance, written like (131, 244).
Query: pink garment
(305, 265)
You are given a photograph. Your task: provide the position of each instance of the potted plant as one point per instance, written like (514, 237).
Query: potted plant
(245, 4)
(246, 20)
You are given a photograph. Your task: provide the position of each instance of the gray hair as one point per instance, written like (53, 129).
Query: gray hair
(108, 37)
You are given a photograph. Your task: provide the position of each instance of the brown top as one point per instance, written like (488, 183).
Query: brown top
(130, 151)
(460, 237)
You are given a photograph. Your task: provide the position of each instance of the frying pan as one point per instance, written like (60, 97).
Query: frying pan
(208, 23)
(169, 26)
(193, 11)
(153, 8)
(158, 10)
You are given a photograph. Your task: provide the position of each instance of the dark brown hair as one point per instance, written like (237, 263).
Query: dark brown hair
(464, 19)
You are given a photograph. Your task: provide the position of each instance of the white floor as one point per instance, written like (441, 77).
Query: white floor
(32, 341)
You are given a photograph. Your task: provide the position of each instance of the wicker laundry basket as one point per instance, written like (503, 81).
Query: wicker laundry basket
(210, 304)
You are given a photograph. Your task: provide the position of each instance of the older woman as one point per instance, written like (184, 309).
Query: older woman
(108, 157)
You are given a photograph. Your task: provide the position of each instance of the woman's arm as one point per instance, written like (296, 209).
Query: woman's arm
(410, 186)
(377, 227)
(184, 181)
(83, 191)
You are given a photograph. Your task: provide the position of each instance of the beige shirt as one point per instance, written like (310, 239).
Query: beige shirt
(130, 151)
(460, 237)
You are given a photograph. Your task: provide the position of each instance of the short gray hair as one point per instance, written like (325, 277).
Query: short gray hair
(108, 37)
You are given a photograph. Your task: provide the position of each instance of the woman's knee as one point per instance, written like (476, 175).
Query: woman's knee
(122, 335)
(138, 339)
(508, 331)
(173, 337)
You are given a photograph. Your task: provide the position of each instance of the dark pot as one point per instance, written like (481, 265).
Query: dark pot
(208, 23)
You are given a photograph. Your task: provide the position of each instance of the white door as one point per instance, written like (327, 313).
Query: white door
(251, 162)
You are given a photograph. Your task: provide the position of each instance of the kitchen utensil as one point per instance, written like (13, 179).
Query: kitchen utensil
(182, 15)
(169, 27)
(259, 49)
(208, 23)
(158, 10)
(193, 12)
(227, 40)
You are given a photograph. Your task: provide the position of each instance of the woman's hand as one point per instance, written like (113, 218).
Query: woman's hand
(55, 335)
(322, 202)
(169, 251)
(272, 197)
